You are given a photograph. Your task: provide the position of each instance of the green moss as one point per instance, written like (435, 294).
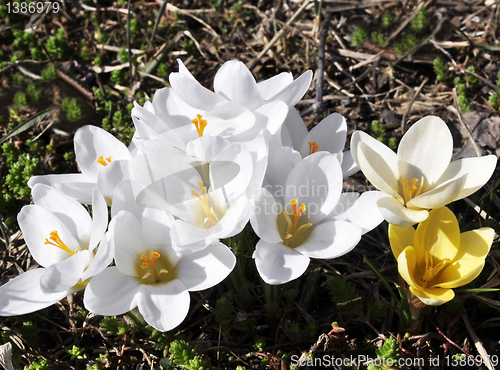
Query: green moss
(185, 356)
(34, 92)
(358, 36)
(420, 22)
(20, 99)
(57, 45)
(387, 20)
(49, 73)
(72, 109)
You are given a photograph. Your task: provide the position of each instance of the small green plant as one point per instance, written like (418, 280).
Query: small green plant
(134, 27)
(462, 95)
(41, 364)
(123, 55)
(17, 80)
(112, 326)
(378, 38)
(472, 80)
(118, 77)
(34, 92)
(260, 344)
(57, 45)
(388, 355)
(22, 44)
(72, 109)
(344, 294)
(163, 71)
(378, 130)
(76, 353)
(406, 44)
(19, 173)
(185, 356)
(441, 69)
(358, 36)
(49, 73)
(392, 143)
(387, 20)
(20, 99)
(420, 22)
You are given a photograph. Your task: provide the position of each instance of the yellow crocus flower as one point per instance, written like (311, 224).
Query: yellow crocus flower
(436, 257)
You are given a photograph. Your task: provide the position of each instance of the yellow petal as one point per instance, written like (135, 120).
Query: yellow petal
(460, 273)
(475, 243)
(407, 267)
(439, 234)
(434, 296)
(396, 213)
(377, 170)
(400, 238)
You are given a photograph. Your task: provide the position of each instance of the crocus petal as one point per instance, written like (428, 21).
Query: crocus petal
(315, 181)
(110, 177)
(407, 266)
(270, 87)
(99, 219)
(128, 242)
(102, 258)
(293, 92)
(469, 261)
(156, 225)
(163, 306)
(111, 293)
(193, 93)
(65, 274)
(196, 238)
(75, 185)
(92, 142)
(23, 294)
(330, 134)
(258, 149)
(425, 150)
(236, 83)
(71, 213)
(397, 214)
(293, 131)
(349, 167)
(439, 196)
(330, 240)
(228, 119)
(207, 268)
(277, 263)
(434, 296)
(439, 235)
(36, 223)
(264, 216)
(400, 238)
(124, 199)
(364, 211)
(275, 112)
(377, 170)
(478, 170)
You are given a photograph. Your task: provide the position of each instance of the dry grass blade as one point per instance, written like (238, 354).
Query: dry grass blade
(478, 343)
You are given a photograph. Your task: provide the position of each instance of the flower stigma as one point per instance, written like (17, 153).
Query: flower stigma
(430, 270)
(313, 147)
(209, 213)
(292, 231)
(101, 160)
(57, 242)
(152, 274)
(200, 124)
(411, 191)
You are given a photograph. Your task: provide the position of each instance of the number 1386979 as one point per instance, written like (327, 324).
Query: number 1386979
(38, 7)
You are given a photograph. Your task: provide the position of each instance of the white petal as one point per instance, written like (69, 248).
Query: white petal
(377, 170)
(439, 196)
(388, 156)
(111, 293)
(478, 170)
(235, 82)
(92, 142)
(193, 93)
(293, 92)
(36, 224)
(156, 225)
(207, 268)
(258, 149)
(23, 294)
(112, 175)
(264, 217)
(71, 213)
(128, 242)
(163, 306)
(75, 185)
(99, 219)
(330, 240)
(65, 274)
(124, 199)
(275, 112)
(330, 134)
(228, 119)
(364, 212)
(196, 238)
(425, 150)
(315, 181)
(397, 214)
(102, 259)
(293, 131)
(277, 263)
(270, 87)
(349, 167)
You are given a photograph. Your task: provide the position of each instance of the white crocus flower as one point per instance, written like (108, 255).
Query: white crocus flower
(420, 176)
(102, 160)
(300, 214)
(328, 135)
(66, 242)
(150, 275)
(208, 199)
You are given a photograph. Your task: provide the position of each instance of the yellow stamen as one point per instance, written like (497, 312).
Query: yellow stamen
(57, 242)
(292, 231)
(150, 262)
(200, 124)
(101, 160)
(430, 270)
(313, 147)
(210, 215)
(411, 191)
